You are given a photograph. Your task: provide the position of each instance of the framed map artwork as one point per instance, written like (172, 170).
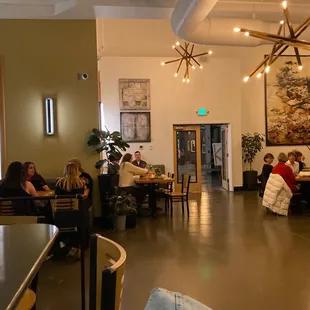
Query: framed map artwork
(134, 94)
(136, 126)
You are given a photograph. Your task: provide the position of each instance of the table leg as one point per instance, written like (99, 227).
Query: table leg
(152, 199)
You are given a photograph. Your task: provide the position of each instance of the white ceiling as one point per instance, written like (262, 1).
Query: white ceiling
(268, 10)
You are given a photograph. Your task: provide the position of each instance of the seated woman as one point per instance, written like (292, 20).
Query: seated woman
(287, 174)
(279, 187)
(127, 171)
(15, 185)
(32, 176)
(299, 157)
(70, 183)
(292, 163)
(267, 169)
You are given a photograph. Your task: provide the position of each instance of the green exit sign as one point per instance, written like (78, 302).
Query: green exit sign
(202, 112)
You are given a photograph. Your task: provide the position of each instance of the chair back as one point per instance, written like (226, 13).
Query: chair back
(66, 212)
(6, 208)
(186, 181)
(107, 266)
(170, 185)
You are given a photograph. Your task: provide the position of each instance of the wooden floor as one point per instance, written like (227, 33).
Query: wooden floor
(228, 254)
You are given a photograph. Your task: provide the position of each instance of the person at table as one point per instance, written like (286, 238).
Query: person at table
(138, 162)
(285, 172)
(71, 183)
(127, 172)
(292, 163)
(86, 177)
(299, 157)
(15, 185)
(267, 169)
(32, 176)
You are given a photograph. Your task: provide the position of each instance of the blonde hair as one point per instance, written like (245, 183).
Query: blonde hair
(71, 179)
(76, 162)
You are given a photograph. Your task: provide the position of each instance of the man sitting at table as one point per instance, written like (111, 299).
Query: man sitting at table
(138, 162)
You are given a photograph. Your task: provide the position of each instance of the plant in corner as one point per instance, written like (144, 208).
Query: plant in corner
(251, 145)
(121, 206)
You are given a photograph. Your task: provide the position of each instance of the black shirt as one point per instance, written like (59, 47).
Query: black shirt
(141, 164)
(62, 191)
(267, 169)
(38, 182)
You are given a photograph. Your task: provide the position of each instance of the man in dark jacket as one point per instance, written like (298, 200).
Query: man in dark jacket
(138, 161)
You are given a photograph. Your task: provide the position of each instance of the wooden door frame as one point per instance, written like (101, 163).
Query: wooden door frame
(2, 120)
(196, 187)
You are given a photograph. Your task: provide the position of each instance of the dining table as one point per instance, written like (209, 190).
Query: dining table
(46, 193)
(151, 184)
(23, 249)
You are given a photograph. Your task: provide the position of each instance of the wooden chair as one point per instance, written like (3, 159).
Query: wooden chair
(180, 196)
(107, 266)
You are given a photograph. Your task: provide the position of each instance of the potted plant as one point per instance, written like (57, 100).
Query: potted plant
(121, 206)
(251, 145)
(111, 144)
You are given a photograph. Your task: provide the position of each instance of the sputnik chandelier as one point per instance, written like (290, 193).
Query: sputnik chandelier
(187, 57)
(281, 42)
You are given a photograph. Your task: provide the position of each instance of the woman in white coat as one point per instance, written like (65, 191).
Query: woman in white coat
(127, 173)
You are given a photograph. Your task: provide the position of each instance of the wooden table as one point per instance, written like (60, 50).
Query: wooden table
(302, 179)
(23, 249)
(151, 183)
(46, 193)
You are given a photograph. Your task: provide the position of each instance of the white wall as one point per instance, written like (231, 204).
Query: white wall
(172, 102)
(141, 45)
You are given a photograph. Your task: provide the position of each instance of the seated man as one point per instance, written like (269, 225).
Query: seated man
(138, 162)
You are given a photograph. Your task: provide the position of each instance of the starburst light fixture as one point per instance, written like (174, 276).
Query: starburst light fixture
(281, 42)
(188, 58)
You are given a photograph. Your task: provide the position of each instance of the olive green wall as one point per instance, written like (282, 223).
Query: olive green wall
(43, 58)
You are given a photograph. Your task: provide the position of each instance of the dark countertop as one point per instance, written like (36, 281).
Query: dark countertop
(23, 249)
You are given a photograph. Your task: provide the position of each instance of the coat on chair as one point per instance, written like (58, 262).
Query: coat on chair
(277, 195)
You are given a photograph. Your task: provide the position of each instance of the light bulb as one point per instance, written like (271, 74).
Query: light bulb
(200, 67)
(246, 79)
(175, 74)
(259, 75)
(210, 52)
(267, 70)
(246, 33)
(162, 63)
(282, 22)
(187, 81)
(184, 80)
(237, 29)
(299, 68)
(193, 67)
(177, 43)
(173, 46)
(284, 4)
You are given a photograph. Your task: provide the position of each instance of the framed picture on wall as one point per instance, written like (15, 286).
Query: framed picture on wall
(136, 126)
(287, 102)
(134, 94)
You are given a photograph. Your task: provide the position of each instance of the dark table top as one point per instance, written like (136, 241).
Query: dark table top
(23, 249)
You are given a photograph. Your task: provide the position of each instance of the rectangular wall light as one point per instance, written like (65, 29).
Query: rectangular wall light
(49, 117)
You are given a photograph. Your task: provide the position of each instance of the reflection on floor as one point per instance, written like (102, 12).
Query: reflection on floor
(228, 255)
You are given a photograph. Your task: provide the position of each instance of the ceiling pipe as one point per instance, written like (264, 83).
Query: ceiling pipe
(191, 22)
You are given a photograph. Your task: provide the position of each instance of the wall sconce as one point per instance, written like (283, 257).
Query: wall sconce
(49, 117)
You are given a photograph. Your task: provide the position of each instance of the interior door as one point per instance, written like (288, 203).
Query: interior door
(187, 156)
(225, 179)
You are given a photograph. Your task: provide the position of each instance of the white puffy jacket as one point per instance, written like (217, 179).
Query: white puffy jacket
(277, 195)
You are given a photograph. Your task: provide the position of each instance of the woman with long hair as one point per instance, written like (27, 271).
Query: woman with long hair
(32, 176)
(86, 177)
(15, 185)
(70, 183)
(127, 171)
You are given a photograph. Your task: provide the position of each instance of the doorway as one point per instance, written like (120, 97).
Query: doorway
(202, 151)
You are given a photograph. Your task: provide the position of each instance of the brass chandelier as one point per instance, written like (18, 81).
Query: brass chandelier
(281, 42)
(187, 57)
